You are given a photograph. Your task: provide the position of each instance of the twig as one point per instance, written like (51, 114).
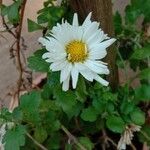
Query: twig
(7, 28)
(18, 33)
(107, 139)
(132, 146)
(111, 141)
(145, 135)
(72, 138)
(36, 142)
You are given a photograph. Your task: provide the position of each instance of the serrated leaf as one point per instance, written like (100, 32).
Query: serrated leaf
(86, 142)
(145, 74)
(115, 124)
(132, 14)
(127, 107)
(138, 117)
(142, 53)
(50, 15)
(66, 100)
(81, 90)
(118, 23)
(142, 93)
(17, 114)
(36, 63)
(40, 134)
(54, 141)
(53, 79)
(89, 114)
(13, 13)
(4, 10)
(51, 121)
(29, 104)
(33, 26)
(14, 138)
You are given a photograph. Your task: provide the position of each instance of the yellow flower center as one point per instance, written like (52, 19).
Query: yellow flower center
(77, 51)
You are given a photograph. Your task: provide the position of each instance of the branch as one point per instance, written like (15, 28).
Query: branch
(18, 34)
(36, 142)
(72, 138)
(7, 28)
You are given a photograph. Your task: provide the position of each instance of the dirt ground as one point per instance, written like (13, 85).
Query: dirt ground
(8, 72)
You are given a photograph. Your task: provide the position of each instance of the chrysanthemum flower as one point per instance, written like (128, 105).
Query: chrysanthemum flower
(74, 49)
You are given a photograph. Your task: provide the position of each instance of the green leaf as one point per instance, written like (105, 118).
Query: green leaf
(85, 141)
(145, 74)
(127, 107)
(142, 93)
(99, 105)
(132, 14)
(13, 13)
(89, 114)
(118, 23)
(36, 63)
(81, 90)
(51, 15)
(4, 10)
(33, 26)
(14, 138)
(115, 124)
(5, 114)
(46, 92)
(29, 104)
(47, 105)
(17, 114)
(66, 100)
(40, 134)
(53, 79)
(138, 117)
(54, 141)
(142, 53)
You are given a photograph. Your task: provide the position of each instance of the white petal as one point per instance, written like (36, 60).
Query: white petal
(75, 20)
(46, 55)
(92, 28)
(97, 37)
(45, 43)
(87, 74)
(87, 21)
(77, 33)
(58, 65)
(65, 72)
(97, 53)
(65, 85)
(109, 42)
(103, 45)
(54, 56)
(101, 80)
(97, 67)
(74, 74)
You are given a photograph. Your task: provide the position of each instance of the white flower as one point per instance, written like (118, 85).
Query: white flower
(74, 49)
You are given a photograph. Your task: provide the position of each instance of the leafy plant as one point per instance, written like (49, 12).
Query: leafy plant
(90, 115)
